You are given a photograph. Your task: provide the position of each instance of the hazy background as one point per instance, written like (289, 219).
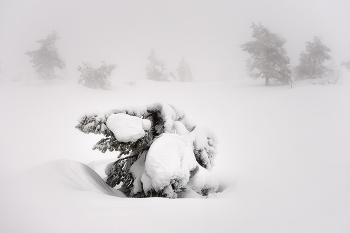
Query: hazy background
(206, 33)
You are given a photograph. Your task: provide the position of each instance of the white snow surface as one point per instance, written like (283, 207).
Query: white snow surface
(283, 159)
(127, 128)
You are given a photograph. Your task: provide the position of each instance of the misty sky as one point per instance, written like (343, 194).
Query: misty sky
(206, 33)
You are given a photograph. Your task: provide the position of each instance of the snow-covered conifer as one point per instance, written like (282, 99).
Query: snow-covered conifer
(161, 152)
(156, 70)
(312, 59)
(46, 58)
(269, 58)
(184, 71)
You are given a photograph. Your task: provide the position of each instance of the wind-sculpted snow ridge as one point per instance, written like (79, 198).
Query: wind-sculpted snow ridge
(161, 151)
(65, 175)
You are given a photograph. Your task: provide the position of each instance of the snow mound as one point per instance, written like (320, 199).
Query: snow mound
(52, 196)
(127, 128)
(169, 162)
(67, 175)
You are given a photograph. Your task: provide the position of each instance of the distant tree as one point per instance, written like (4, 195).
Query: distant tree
(156, 69)
(269, 58)
(184, 71)
(312, 59)
(46, 58)
(95, 78)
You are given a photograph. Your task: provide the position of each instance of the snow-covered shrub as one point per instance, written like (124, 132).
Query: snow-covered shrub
(95, 78)
(161, 152)
(331, 75)
(312, 60)
(157, 71)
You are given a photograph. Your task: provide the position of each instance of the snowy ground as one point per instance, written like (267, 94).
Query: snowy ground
(284, 155)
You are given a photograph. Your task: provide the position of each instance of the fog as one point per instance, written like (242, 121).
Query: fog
(283, 150)
(206, 33)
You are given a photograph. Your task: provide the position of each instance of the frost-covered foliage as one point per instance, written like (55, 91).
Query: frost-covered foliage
(312, 59)
(46, 58)
(161, 152)
(332, 75)
(95, 78)
(269, 58)
(156, 69)
(205, 144)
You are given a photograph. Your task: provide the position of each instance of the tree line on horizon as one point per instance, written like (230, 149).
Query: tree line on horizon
(268, 60)
(46, 59)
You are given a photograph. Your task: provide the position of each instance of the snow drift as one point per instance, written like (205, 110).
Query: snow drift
(283, 154)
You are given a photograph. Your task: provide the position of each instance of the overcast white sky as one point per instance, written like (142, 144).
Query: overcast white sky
(206, 33)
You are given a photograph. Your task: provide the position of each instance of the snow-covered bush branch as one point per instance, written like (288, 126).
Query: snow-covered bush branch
(331, 75)
(161, 152)
(156, 70)
(95, 78)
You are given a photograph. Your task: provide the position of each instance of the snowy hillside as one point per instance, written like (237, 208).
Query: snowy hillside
(282, 164)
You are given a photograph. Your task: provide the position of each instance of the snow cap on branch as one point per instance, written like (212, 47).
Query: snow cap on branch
(170, 159)
(127, 128)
